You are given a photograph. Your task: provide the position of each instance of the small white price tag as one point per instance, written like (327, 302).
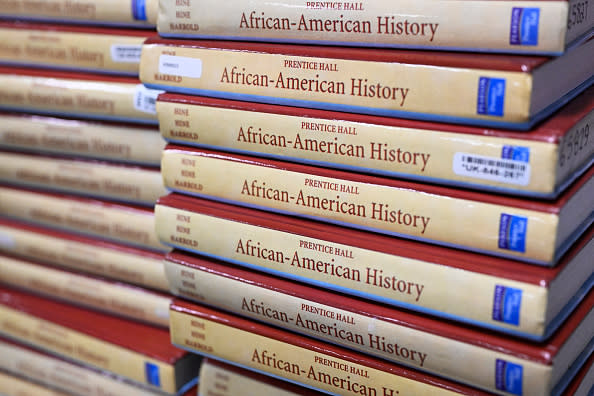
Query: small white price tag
(180, 66)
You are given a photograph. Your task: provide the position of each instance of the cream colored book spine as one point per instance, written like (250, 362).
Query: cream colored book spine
(83, 348)
(116, 223)
(420, 24)
(137, 185)
(453, 221)
(11, 385)
(371, 335)
(142, 145)
(135, 12)
(130, 302)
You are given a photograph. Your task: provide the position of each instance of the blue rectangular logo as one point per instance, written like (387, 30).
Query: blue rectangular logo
(516, 153)
(490, 96)
(508, 377)
(523, 29)
(507, 302)
(512, 232)
(139, 10)
(151, 372)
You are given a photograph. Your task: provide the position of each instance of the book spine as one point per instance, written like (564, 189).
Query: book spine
(393, 151)
(16, 386)
(82, 139)
(63, 375)
(396, 280)
(142, 186)
(395, 211)
(417, 24)
(111, 222)
(129, 302)
(80, 51)
(365, 333)
(134, 12)
(385, 88)
(80, 98)
(92, 259)
(576, 148)
(86, 349)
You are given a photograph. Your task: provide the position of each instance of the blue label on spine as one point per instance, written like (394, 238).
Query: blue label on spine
(508, 377)
(506, 305)
(139, 10)
(512, 232)
(516, 153)
(523, 28)
(490, 96)
(151, 371)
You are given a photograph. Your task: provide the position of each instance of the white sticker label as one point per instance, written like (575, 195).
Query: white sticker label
(492, 168)
(145, 99)
(126, 53)
(180, 66)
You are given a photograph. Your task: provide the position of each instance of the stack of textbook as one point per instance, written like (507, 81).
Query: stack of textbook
(371, 198)
(84, 301)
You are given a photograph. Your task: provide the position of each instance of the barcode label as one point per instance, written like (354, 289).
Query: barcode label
(145, 99)
(125, 53)
(491, 168)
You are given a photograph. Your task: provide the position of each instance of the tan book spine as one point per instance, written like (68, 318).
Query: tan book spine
(98, 179)
(141, 145)
(130, 302)
(112, 222)
(411, 283)
(427, 24)
(115, 264)
(16, 386)
(84, 51)
(98, 99)
(382, 86)
(63, 375)
(393, 210)
(410, 346)
(114, 11)
(83, 348)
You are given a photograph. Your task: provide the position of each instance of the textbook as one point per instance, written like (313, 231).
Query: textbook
(92, 178)
(132, 143)
(541, 162)
(127, 13)
(77, 48)
(11, 385)
(116, 298)
(326, 367)
(132, 350)
(520, 228)
(382, 268)
(410, 339)
(76, 94)
(128, 225)
(83, 254)
(60, 374)
(222, 379)
(493, 90)
(478, 25)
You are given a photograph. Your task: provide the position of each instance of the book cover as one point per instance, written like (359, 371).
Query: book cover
(520, 228)
(494, 90)
(128, 13)
(583, 382)
(128, 225)
(84, 254)
(323, 366)
(131, 143)
(132, 350)
(133, 184)
(77, 94)
(116, 298)
(65, 375)
(413, 340)
(392, 271)
(68, 47)
(541, 162)
(11, 385)
(528, 27)
(222, 379)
